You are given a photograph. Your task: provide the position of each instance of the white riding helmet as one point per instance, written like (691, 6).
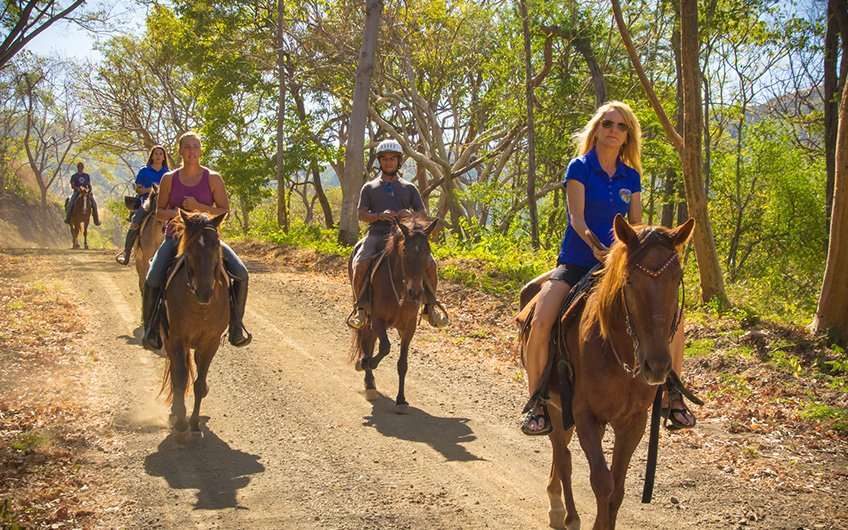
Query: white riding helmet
(388, 146)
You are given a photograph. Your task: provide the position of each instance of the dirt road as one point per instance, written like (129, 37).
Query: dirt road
(291, 442)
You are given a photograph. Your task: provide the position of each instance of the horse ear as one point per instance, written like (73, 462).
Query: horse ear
(624, 232)
(217, 220)
(183, 215)
(431, 227)
(682, 233)
(403, 228)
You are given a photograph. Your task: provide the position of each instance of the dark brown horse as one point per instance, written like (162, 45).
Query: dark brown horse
(150, 236)
(198, 311)
(397, 283)
(617, 345)
(80, 217)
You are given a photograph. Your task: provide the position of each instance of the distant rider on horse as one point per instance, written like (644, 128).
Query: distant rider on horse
(79, 180)
(382, 201)
(148, 176)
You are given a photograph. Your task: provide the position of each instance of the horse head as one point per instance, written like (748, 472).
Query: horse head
(643, 274)
(414, 249)
(200, 245)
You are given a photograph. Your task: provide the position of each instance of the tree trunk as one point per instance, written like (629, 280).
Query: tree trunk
(670, 192)
(313, 164)
(531, 131)
(354, 163)
(712, 283)
(832, 312)
(282, 212)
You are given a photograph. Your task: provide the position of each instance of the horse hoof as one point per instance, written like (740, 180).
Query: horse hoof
(556, 519)
(402, 408)
(371, 394)
(358, 365)
(182, 437)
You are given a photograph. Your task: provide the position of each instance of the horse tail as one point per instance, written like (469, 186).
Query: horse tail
(166, 377)
(356, 351)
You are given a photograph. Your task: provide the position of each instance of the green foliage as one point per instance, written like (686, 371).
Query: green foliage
(29, 442)
(836, 417)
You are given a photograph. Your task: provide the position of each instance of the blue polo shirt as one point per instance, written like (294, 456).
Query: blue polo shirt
(604, 198)
(147, 176)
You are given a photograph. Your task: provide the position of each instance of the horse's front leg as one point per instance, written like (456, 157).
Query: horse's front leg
(590, 432)
(379, 329)
(179, 380)
(559, 478)
(366, 340)
(402, 365)
(202, 359)
(627, 437)
(85, 235)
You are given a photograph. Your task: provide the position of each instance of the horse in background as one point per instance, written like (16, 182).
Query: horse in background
(397, 283)
(81, 217)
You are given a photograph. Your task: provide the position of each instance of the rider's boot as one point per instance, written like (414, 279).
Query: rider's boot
(152, 339)
(359, 317)
(238, 336)
(124, 257)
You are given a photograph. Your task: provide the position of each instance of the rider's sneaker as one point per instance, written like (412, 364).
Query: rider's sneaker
(436, 316)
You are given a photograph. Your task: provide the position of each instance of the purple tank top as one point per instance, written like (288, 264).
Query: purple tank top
(202, 193)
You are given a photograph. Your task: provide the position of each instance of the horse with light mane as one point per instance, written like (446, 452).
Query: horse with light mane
(150, 236)
(614, 351)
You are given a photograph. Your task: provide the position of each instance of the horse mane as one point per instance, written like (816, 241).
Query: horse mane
(417, 222)
(194, 221)
(601, 302)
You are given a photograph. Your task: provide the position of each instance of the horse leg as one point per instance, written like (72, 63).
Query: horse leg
(202, 359)
(590, 433)
(402, 364)
(179, 380)
(366, 340)
(379, 328)
(85, 235)
(74, 240)
(627, 438)
(560, 476)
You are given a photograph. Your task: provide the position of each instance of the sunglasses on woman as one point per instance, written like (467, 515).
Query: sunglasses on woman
(607, 124)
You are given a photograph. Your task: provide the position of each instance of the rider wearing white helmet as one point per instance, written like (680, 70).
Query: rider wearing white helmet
(382, 200)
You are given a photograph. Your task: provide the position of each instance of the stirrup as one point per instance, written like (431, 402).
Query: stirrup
(357, 319)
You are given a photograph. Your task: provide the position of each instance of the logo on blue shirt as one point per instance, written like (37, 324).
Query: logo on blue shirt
(625, 195)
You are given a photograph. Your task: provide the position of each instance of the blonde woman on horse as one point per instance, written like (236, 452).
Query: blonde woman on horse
(193, 188)
(148, 176)
(382, 201)
(602, 181)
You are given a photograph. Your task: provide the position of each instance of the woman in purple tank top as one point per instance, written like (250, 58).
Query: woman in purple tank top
(193, 188)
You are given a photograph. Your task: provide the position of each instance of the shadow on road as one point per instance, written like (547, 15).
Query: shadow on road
(208, 465)
(445, 435)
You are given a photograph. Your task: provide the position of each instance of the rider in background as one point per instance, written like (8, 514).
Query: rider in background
(148, 176)
(81, 179)
(382, 201)
(194, 188)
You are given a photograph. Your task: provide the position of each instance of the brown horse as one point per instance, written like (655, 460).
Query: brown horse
(80, 217)
(397, 287)
(616, 344)
(198, 311)
(150, 236)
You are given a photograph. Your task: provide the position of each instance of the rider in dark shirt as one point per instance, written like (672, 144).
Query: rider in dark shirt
(80, 179)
